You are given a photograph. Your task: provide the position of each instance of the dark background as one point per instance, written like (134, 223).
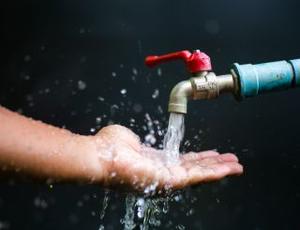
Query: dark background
(48, 46)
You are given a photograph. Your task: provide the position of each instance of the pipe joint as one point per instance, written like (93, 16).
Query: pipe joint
(206, 85)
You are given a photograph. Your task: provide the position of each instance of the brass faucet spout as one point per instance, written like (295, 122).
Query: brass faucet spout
(179, 97)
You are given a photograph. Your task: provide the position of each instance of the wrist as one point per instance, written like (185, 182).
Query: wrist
(91, 168)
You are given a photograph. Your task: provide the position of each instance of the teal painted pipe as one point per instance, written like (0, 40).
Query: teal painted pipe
(261, 78)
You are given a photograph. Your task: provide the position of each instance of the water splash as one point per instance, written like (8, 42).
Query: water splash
(128, 220)
(145, 212)
(81, 85)
(123, 91)
(104, 204)
(150, 209)
(155, 94)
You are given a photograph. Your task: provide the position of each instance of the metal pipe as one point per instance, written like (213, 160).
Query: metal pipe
(204, 86)
(179, 97)
(244, 81)
(226, 83)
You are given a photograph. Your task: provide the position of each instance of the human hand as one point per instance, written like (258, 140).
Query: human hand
(131, 165)
(113, 157)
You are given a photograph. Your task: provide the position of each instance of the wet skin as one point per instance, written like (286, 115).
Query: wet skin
(138, 167)
(114, 157)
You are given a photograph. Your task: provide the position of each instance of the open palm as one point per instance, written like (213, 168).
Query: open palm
(142, 168)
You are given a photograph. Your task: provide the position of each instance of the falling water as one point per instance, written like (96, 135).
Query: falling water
(145, 212)
(106, 199)
(128, 220)
(149, 209)
(174, 137)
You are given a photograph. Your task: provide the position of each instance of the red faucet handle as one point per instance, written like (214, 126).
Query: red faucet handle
(195, 62)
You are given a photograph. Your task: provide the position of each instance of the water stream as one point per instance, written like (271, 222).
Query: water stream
(147, 210)
(173, 137)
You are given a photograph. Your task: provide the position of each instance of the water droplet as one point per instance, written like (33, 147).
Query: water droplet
(114, 74)
(159, 72)
(79, 203)
(4, 225)
(151, 188)
(150, 139)
(123, 91)
(166, 206)
(29, 97)
(141, 207)
(113, 109)
(137, 108)
(101, 98)
(187, 143)
(190, 212)
(155, 94)
(245, 150)
(81, 30)
(178, 198)
(180, 227)
(40, 203)
(160, 110)
(98, 120)
(105, 204)
(134, 71)
(27, 58)
(81, 85)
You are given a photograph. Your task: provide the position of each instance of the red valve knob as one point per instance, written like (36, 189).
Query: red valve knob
(195, 62)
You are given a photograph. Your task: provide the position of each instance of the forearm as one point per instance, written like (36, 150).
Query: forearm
(42, 150)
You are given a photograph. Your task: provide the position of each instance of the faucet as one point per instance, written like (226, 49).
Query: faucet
(243, 81)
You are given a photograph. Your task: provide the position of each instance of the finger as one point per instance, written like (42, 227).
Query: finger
(199, 156)
(228, 157)
(208, 161)
(199, 174)
(213, 173)
(228, 169)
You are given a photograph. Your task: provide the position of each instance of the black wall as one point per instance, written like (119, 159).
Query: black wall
(48, 46)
